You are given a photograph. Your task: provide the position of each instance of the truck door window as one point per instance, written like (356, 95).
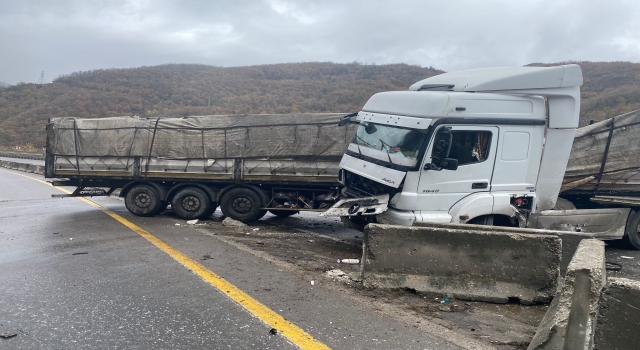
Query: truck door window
(468, 146)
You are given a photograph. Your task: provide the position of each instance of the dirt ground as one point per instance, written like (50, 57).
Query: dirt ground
(309, 247)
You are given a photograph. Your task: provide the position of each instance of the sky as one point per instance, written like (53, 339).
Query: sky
(64, 36)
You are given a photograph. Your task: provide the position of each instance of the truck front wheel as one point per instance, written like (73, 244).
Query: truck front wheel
(242, 204)
(631, 234)
(143, 200)
(191, 203)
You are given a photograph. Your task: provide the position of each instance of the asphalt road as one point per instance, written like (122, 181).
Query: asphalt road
(75, 278)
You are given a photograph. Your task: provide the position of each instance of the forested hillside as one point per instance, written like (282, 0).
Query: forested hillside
(610, 88)
(190, 89)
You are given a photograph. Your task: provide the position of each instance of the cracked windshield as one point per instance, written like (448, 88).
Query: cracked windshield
(389, 143)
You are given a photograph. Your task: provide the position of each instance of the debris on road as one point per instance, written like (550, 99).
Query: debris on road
(7, 335)
(273, 331)
(192, 222)
(71, 239)
(177, 224)
(348, 261)
(626, 257)
(80, 253)
(229, 222)
(313, 283)
(206, 257)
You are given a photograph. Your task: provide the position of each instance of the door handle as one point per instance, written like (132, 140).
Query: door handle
(479, 185)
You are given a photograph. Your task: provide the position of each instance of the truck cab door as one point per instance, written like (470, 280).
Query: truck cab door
(474, 148)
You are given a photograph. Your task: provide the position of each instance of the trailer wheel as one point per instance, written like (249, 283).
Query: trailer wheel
(242, 204)
(631, 234)
(143, 200)
(191, 203)
(283, 213)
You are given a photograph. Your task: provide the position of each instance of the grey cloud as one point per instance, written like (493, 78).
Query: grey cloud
(62, 36)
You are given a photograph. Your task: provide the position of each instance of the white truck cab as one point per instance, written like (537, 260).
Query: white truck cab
(470, 146)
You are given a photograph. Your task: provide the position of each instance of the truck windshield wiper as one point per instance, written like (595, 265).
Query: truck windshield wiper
(388, 149)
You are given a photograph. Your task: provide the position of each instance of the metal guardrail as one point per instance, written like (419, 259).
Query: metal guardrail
(22, 155)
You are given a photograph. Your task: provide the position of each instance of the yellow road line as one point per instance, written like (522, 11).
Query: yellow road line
(292, 332)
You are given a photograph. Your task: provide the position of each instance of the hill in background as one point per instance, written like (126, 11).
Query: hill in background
(610, 88)
(3, 84)
(191, 89)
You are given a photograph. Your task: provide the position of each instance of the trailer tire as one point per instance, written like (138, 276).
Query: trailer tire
(143, 200)
(191, 203)
(242, 204)
(284, 213)
(631, 234)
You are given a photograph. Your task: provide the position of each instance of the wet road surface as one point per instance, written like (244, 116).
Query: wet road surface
(75, 278)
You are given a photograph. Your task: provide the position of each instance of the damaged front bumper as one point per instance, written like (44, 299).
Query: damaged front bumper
(359, 206)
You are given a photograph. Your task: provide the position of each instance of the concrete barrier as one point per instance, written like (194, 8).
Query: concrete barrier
(29, 168)
(619, 316)
(466, 264)
(569, 323)
(570, 240)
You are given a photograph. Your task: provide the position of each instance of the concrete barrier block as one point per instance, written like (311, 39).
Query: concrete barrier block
(570, 240)
(619, 316)
(569, 323)
(466, 264)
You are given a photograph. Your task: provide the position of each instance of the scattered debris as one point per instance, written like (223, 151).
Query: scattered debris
(80, 253)
(348, 261)
(256, 229)
(313, 283)
(206, 257)
(177, 224)
(339, 275)
(626, 257)
(610, 266)
(229, 222)
(310, 241)
(55, 233)
(260, 243)
(273, 331)
(71, 239)
(7, 335)
(192, 222)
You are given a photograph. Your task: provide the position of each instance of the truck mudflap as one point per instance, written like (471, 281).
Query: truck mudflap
(359, 206)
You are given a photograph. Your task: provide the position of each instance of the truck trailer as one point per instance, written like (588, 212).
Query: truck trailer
(246, 164)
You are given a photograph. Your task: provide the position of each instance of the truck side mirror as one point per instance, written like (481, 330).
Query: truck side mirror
(347, 120)
(449, 164)
(446, 164)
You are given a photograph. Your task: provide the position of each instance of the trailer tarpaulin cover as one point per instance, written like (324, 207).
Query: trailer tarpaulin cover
(220, 136)
(607, 153)
(276, 147)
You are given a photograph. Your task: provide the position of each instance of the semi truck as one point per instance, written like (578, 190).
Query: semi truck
(492, 146)
(488, 146)
(246, 164)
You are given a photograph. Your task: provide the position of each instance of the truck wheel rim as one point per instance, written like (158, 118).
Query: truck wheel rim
(242, 205)
(143, 200)
(191, 203)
